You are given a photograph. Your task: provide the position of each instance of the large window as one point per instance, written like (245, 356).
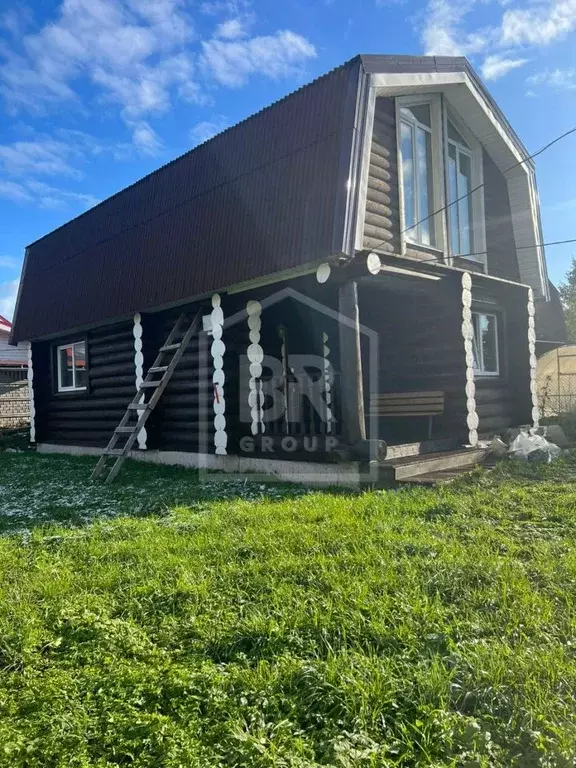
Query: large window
(460, 184)
(71, 363)
(441, 179)
(417, 173)
(485, 344)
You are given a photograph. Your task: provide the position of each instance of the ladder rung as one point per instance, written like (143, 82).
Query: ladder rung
(150, 384)
(138, 407)
(158, 369)
(113, 452)
(124, 430)
(169, 347)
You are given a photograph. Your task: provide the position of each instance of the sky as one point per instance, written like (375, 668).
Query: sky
(94, 94)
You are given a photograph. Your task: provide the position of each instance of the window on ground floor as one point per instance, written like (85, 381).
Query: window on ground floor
(485, 344)
(71, 363)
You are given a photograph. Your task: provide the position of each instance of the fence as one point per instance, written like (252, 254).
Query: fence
(14, 404)
(557, 385)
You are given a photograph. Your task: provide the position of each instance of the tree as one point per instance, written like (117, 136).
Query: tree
(567, 292)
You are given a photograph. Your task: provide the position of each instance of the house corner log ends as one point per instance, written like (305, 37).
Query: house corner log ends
(472, 420)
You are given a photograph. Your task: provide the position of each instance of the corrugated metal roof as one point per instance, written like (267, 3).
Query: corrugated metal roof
(264, 196)
(258, 198)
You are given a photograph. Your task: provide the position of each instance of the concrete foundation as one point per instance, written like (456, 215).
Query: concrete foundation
(346, 474)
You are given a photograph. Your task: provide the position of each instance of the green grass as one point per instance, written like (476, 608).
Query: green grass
(164, 628)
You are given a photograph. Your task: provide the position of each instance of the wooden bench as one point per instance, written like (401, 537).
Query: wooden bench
(406, 404)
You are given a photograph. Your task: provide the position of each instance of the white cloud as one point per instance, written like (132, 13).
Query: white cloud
(16, 20)
(45, 196)
(146, 140)
(232, 29)
(17, 193)
(232, 62)
(540, 24)
(44, 157)
(122, 46)
(139, 55)
(496, 66)
(206, 129)
(561, 79)
(8, 295)
(442, 34)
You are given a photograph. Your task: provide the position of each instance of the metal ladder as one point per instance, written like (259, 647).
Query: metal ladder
(166, 368)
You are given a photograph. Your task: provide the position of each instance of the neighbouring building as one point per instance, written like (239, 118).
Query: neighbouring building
(13, 379)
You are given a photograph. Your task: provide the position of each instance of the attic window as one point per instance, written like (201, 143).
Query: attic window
(71, 362)
(417, 172)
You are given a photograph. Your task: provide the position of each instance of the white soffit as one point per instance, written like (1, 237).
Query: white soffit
(478, 114)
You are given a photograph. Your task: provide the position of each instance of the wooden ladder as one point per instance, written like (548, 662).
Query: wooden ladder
(161, 365)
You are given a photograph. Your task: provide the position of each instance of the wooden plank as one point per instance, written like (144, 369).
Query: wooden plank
(393, 395)
(352, 387)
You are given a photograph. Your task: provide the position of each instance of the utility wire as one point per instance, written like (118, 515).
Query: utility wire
(471, 192)
(437, 259)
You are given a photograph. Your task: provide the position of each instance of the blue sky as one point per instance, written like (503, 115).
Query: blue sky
(96, 93)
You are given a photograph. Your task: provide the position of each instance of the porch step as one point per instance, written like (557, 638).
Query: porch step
(441, 477)
(405, 469)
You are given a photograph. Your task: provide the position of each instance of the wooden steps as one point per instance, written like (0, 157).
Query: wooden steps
(430, 468)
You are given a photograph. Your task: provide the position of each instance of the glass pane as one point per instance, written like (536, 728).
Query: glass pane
(452, 196)
(425, 193)
(489, 344)
(465, 205)
(455, 136)
(65, 368)
(80, 364)
(476, 350)
(408, 176)
(420, 113)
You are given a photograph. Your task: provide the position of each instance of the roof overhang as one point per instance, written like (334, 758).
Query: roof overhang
(471, 101)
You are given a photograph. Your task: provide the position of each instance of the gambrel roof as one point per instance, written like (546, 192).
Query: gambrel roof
(272, 194)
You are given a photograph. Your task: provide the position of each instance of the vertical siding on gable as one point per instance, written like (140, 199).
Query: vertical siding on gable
(382, 217)
(500, 243)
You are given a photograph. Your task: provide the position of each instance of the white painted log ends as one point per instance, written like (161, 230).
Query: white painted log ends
(472, 420)
(533, 360)
(327, 382)
(31, 395)
(255, 355)
(373, 263)
(323, 273)
(139, 371)
(218, 378)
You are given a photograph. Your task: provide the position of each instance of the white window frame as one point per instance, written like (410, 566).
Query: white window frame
(475, 153)
(73, 388)
(436, 131)
(481, 371)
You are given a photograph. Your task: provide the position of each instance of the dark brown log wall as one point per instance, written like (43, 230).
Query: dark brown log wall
(86, 418)
(421, 349)
(382, 218)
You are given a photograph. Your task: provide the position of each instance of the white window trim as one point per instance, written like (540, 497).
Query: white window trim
(478, 209)
(73, 388)
(478, 372)
(434, 102)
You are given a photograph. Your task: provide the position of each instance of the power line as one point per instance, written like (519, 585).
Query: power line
(437, 259)
(472, 191)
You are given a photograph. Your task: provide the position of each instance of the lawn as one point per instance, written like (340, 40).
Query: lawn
(169, 622)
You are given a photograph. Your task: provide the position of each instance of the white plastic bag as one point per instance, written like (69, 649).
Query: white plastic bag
(525, 444)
